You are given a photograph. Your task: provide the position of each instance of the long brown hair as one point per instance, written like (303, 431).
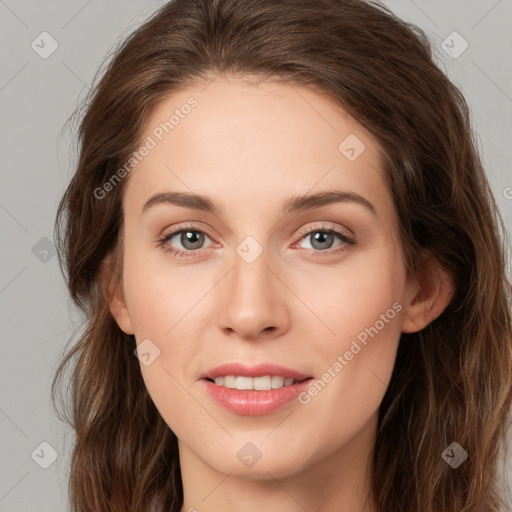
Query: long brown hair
(451, 381)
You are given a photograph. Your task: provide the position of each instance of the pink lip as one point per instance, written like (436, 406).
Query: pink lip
(251, 402)
(259, 370)
(254, 403)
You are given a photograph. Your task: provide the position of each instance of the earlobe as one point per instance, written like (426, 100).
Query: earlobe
(112, 289)
(428, 298)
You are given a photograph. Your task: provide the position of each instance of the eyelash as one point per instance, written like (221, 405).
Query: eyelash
(178, 253)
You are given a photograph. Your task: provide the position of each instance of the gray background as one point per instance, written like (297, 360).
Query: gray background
(36, 97)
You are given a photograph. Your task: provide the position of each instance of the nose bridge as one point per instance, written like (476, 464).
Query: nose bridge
(250, 280)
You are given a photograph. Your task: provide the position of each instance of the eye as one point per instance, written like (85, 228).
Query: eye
(191, 241)
(321, 239)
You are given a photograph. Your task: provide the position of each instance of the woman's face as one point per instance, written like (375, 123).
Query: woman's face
(261, 280)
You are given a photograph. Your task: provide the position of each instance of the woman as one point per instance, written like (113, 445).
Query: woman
(279, 208)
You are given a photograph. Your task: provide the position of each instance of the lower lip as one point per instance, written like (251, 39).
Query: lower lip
(254, 403)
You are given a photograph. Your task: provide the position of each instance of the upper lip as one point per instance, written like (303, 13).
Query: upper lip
(259, 370)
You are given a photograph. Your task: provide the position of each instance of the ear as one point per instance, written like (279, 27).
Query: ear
(112, 289)
(427, 297)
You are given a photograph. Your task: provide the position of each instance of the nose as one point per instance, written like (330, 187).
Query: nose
(253, 300)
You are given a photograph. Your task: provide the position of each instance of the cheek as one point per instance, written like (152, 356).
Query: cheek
(161, 307)
(364, 311)
(165, 305)
(354, 297)
(160, 295)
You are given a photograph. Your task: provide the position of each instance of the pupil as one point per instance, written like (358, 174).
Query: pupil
(323, 237)
(192, 237)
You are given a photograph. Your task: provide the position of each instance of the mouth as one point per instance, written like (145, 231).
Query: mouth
(255, 390)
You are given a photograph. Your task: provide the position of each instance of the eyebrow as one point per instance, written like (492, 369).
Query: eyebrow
(292, 204)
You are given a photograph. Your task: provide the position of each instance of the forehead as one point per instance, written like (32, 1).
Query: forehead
(246, 142)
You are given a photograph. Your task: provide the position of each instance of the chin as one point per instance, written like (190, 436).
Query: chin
(264, 463)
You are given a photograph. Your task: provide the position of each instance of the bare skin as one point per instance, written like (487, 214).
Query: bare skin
(301, 303)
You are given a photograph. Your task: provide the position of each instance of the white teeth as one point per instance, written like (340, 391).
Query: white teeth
(277, 381)
(257, 383)
(244, 383)
(229, 381)
(263, 383)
